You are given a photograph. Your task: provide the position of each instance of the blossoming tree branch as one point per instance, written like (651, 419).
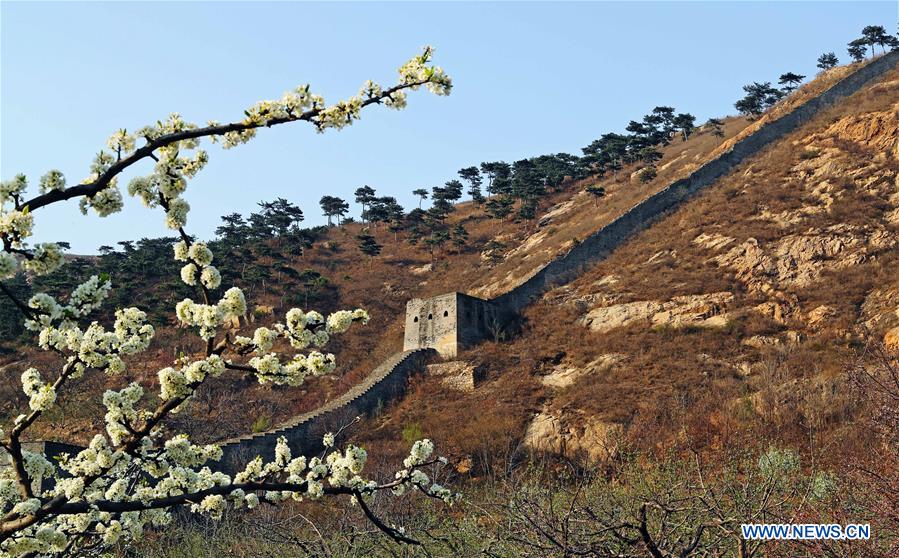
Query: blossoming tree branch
(136, 473)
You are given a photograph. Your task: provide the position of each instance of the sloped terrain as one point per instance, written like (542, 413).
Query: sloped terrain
(732, 317)
(731, 274)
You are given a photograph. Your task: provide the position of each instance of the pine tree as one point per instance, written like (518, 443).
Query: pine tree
(497, 174)
(759, 98)
(442, 204)
(877, 35)
(789, 81)
(364, 196)
(527, 211)
(685, 123)
(368, 245)
(453, 191)
(647, 174)
(474, 179)
(597, 191)
(716, 125)
(333, 206)
(378, 210)
(827, 61)
(649, 155)
(857, 49)
(436, 240)
(422, 194)
(459, 237)
(395, 218)
(281, 216)
(499, 207)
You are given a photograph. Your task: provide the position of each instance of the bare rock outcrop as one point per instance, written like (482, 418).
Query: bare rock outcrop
(708, 310)
(557, 433)
(880, 310)
(891, 340)
(819, 315)
(563, 376)
(800, 259)
(877, 130)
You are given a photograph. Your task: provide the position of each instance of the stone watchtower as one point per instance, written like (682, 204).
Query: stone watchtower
(449, 322)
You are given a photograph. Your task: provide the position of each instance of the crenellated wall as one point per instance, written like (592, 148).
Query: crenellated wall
(600, 244)
(304, 433)
(446, 323)
(446, 335)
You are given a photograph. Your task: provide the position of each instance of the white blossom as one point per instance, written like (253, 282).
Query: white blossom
(181, 252)
(42, 395)
(200, 253)
(121, 142)
(11, 189)
(105, 202)
(174, 466)
(210, 277)
(47, 258)
(189, 274)
(176, 215)
(16, 225)
(53, 180)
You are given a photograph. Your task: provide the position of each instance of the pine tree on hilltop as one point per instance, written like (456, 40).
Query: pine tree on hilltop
(435, 240)
(499, 207)
(368, 246)
(759, 98)
(498, 174)
(827, 61)
(442, 204)
(685, 122)
(422, 194)
(473, 177)
(459, 236)
(364, 196)
(877, 35)
(857, 49)
(333, 206)
(649, 155)
(395, 217)
(789, 81)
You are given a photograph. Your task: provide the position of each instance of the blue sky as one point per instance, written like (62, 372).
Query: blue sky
(530, 78)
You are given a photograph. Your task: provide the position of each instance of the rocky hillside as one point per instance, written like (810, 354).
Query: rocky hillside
(731, 319)
(716, 311)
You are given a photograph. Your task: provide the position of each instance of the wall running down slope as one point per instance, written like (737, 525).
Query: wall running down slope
(421, 341)
(388, 381)
(600, 244)
(305, 432)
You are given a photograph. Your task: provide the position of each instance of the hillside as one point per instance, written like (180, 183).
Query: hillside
(497, 255)
(672, 265)
(731, 319)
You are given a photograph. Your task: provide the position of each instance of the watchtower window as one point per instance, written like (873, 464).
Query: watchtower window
(430, 316)
(445, 313)
(415, 319)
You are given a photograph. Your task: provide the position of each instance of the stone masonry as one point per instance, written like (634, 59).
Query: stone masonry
(450, 322)
(446, 323)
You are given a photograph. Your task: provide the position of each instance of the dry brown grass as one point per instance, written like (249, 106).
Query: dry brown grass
(668, 390)
(664, 383)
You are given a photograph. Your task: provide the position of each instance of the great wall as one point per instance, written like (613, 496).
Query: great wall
(444, 324)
